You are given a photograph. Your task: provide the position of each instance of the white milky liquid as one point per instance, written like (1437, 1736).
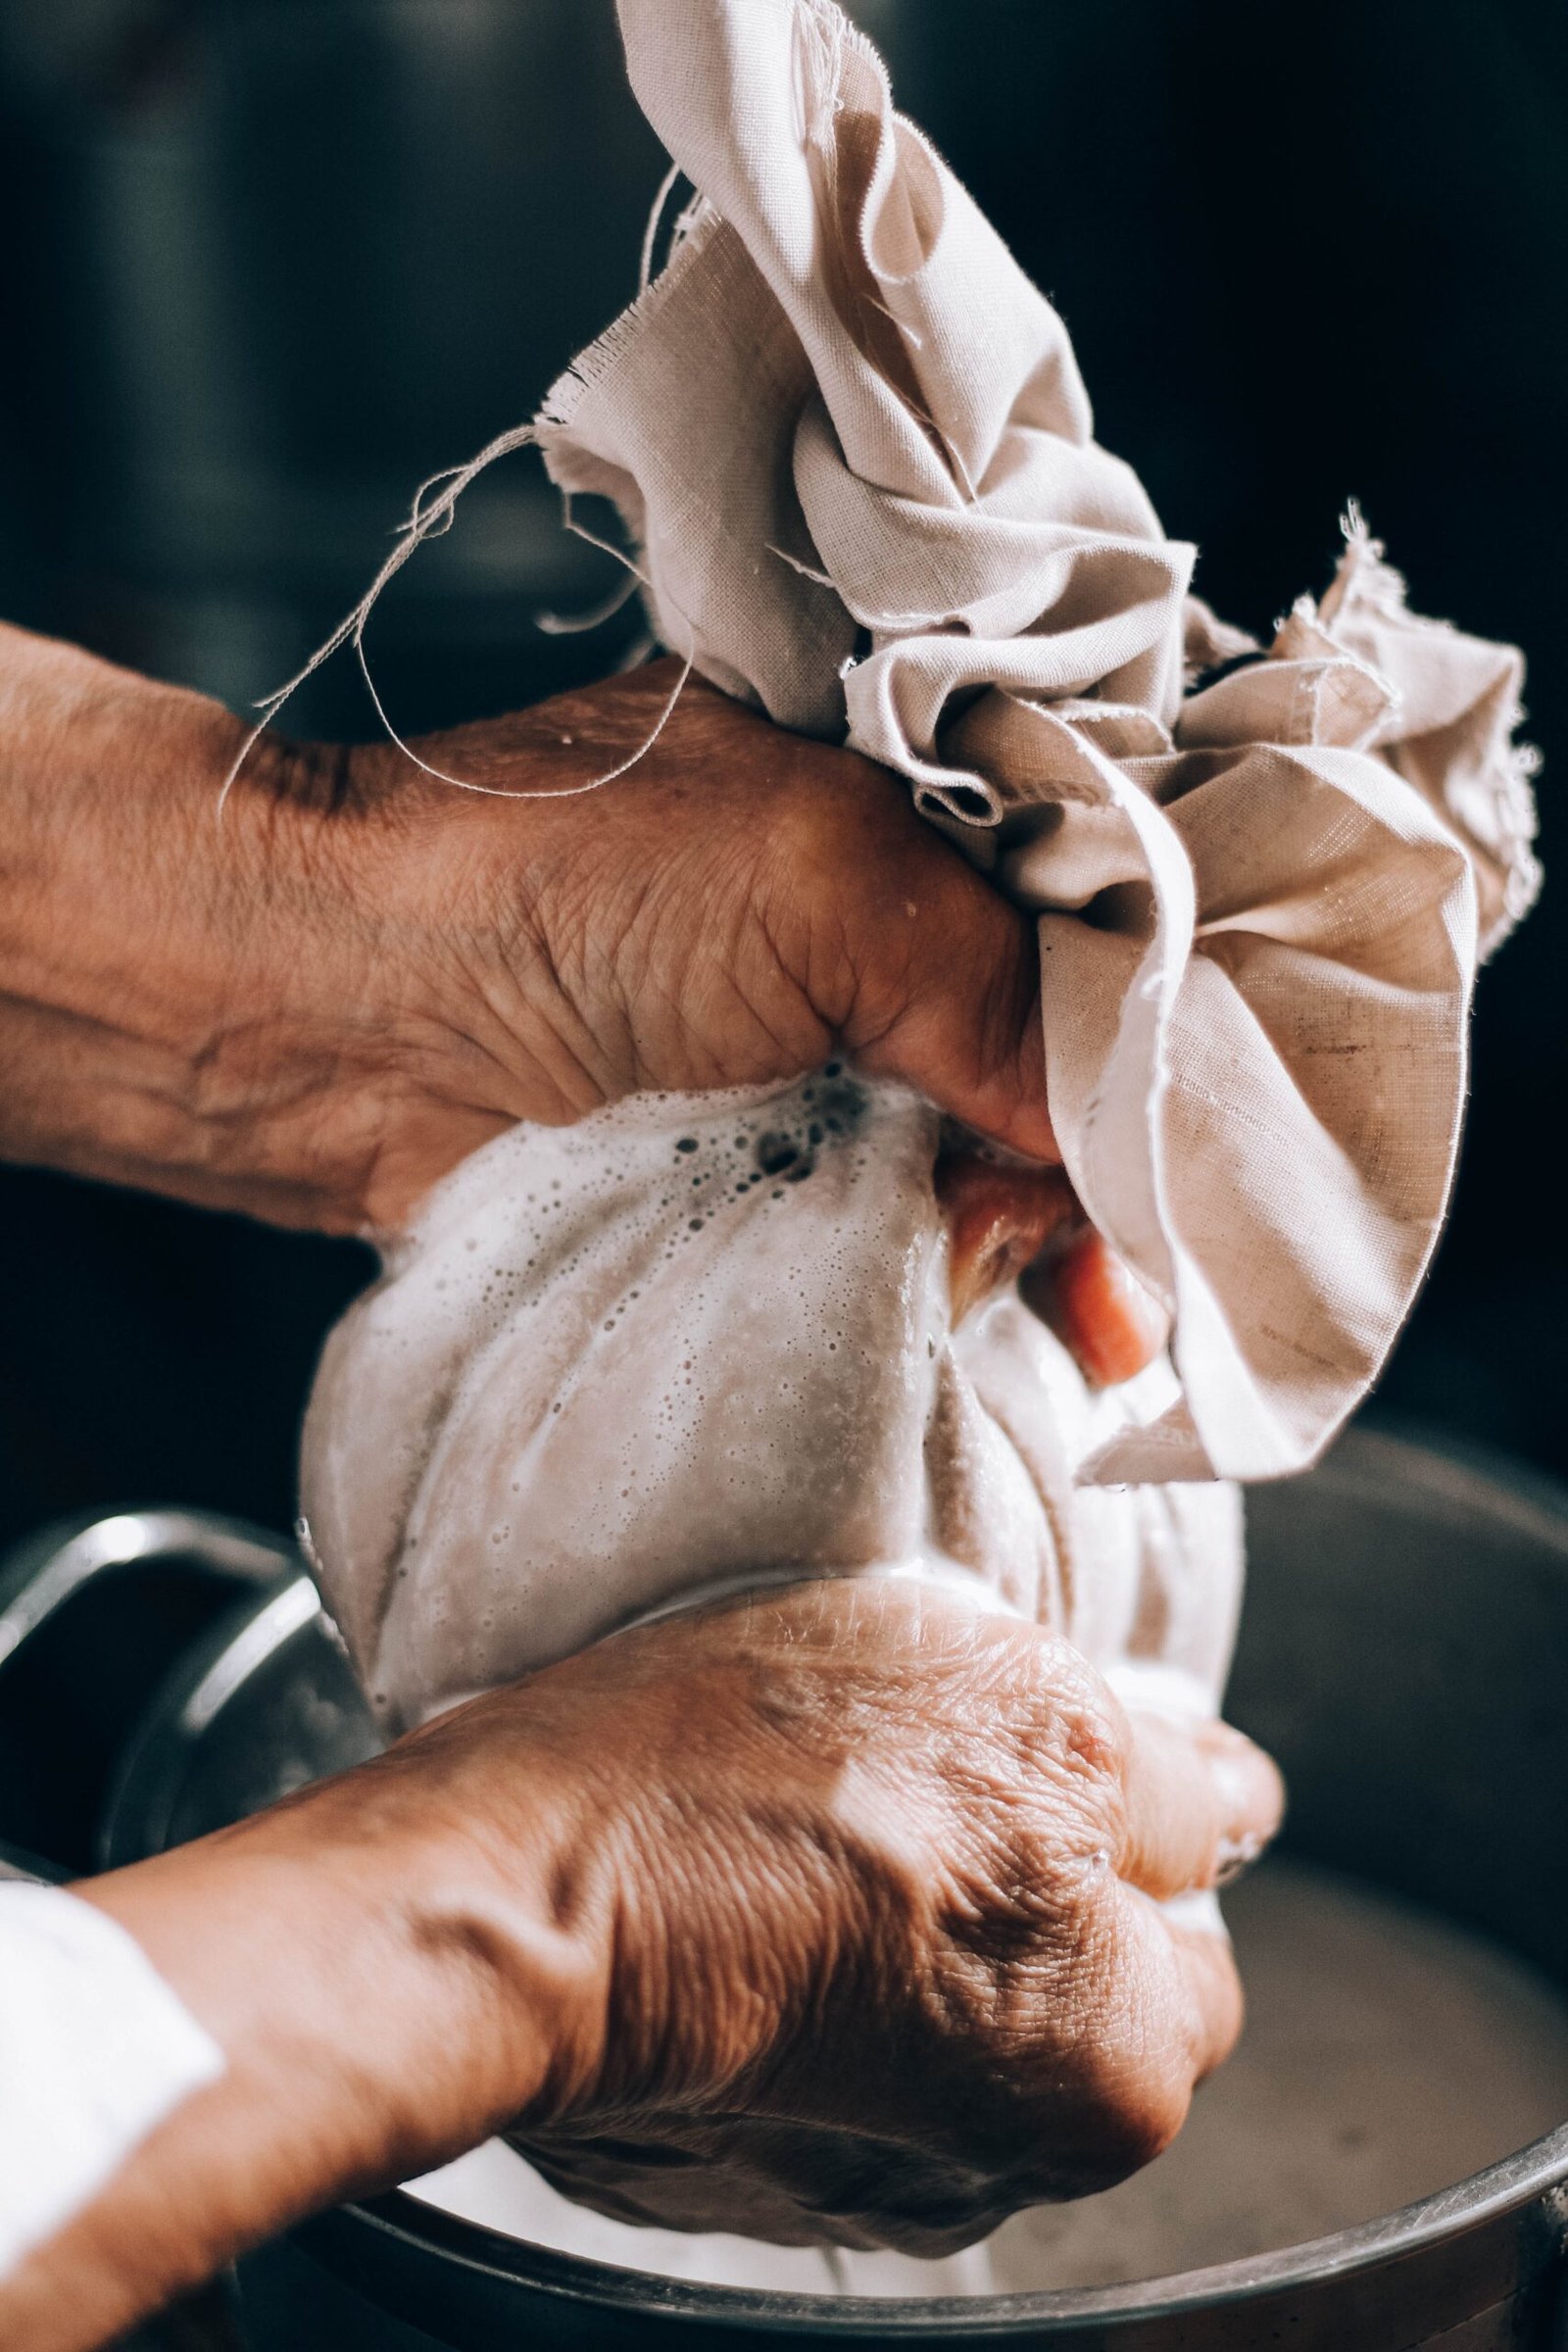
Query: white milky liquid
(1386, 2055)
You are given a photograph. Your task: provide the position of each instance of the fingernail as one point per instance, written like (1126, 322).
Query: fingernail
(1251, 1801)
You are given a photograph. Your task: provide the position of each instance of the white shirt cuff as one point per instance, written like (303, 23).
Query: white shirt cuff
(95, 2052)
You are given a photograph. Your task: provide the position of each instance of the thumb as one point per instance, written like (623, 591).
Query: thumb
(948, 1001)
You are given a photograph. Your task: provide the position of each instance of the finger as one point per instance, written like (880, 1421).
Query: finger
(1098, 1309)
(1187, 1993)
(1201, 1801)
(999, 1219)
(1169, 2011)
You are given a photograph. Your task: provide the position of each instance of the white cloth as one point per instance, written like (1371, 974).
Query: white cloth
(707, 1341)
(850, 442)
(95, 2052)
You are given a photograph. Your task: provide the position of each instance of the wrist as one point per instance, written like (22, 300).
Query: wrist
(394, 1964)
(385, 1992)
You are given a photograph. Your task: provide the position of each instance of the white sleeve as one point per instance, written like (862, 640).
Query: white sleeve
(94, 2052)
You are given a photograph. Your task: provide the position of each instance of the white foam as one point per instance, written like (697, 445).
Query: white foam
(701, 1341)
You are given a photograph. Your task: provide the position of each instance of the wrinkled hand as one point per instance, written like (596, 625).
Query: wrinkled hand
(314, 1008)
(832, 1915)
(870, 1883)
(740, 906)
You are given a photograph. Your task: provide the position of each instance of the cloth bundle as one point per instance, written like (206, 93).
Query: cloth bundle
(703, 1342)
(851, 443)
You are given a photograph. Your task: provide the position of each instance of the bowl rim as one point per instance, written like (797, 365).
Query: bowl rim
(1533, 2174)
(1450, 1475)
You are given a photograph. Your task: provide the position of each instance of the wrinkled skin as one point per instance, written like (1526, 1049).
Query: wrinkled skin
(316, 1009)
(886, 1964)
(739, 906)
(827, 1915)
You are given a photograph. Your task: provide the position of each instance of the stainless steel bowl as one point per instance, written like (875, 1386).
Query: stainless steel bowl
(1404, 1653)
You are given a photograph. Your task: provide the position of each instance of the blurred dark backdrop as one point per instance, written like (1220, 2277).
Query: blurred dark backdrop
(268, 263)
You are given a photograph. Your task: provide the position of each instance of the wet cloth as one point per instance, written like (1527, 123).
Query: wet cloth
(701, 1343)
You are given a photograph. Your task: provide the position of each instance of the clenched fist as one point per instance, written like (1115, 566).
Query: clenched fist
(882, 1876)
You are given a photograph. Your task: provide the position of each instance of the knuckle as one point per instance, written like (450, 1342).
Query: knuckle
(1073, 1726)
(1024, 1890)
(1143, 2117)
(1121, 2112)
(1038, 1792)
(1089, 2073)
(1136, 2100)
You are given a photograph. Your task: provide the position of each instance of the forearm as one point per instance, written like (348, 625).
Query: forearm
(316, 1009)
(158, 971)
(382, 2001)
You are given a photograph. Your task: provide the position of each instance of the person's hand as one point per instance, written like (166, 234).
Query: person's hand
(740, 906)
(833, 1916)
(882, 1880)
(314, 1008)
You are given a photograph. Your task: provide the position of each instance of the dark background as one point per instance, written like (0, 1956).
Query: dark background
(268, 263)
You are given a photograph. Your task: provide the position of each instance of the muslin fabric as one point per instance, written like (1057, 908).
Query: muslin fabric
(851, 443)
(700, 1343)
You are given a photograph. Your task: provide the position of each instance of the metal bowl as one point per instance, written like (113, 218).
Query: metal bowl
(1402, 1654)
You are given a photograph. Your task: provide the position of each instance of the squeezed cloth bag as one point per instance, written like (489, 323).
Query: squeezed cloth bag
(701, 1343)
(697, 1344)
(849, 441)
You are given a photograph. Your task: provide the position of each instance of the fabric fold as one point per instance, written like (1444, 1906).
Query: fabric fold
(851, 443)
